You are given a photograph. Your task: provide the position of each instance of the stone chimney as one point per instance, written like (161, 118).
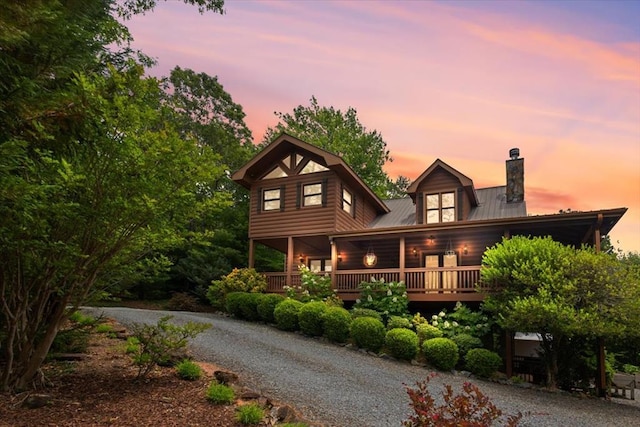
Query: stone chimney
(515, 177)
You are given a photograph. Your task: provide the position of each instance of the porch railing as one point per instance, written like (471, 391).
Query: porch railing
(440, 280)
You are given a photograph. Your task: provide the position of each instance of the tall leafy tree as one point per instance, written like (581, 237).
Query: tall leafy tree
(94, 175)
(341, 133)
(561, 293)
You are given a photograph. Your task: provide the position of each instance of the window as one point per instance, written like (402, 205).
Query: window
(271, 200)
(347, 201)
(440, 208)
(312, 167)
(278, 172)
(318, 265)
(312, 194)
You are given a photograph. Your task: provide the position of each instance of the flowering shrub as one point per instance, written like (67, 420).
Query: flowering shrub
(463, 320)
(239, 280)
(471, 408)
(313, 287)
(390, 298)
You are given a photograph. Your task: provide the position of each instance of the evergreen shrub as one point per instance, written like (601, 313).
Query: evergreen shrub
(365, 312)
(401, 343)
(425, 332)
(250, 414)
(286, 314)
(310, 318)
(442, 353)
(399, 322)
(220, 394)
(188, 370)
(482, 362)
(466, 342)
(249, 306)
(233, 303)
(266, 304)
(368, 333)
(336, 324)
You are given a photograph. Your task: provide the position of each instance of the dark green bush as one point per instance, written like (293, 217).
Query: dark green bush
(249, 306)
(310, 318)
(425, 332)
(399, 322)
(442, 353)
(466, 342)
(188, 370)
(239, 280)
(482, 362)
(368, 333)
(71, 341)
(220, 394)
(336, 324)
(233, 303)
(365, 312)
(401, 343)
(286, 314)
(266, 304)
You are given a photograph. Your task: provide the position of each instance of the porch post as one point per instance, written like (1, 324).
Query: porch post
(508, 349)
(601, 372)
(290, 256)
(251, 253)
(402, 260)
(334, 262)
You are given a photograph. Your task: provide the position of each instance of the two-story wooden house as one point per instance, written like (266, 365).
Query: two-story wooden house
(310, 205)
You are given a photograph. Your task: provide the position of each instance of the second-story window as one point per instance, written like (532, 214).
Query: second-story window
(312, 194)
(440, 208)
(347, 201)
(271, 200)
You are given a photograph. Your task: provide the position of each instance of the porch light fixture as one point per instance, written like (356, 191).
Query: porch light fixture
(370, 259)
(431, 240)
(301, 259)
(465, 250)
(414, 251)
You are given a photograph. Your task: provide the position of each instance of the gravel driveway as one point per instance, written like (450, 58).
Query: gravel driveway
(338, 386)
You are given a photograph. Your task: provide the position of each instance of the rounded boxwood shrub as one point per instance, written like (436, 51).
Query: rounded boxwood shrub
(220, 394)
(188, 370)
(399, 322)
(441, 353)
(482, 362)
(365, 312)
(336, 324)
(249, 306)
(368, 333)
(425, 332)
(233, 303)
(310, 318)
(266, 304)
(466, 342)
(402, 343)
(286, 314)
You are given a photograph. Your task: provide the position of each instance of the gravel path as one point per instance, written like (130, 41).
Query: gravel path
(338, 386)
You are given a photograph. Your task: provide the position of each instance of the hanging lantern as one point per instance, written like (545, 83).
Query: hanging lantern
(370, 259)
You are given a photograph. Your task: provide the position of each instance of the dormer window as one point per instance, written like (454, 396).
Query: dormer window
(347, 201)
(271, 200)
(312, 194)
(313, 167)
(440, 207)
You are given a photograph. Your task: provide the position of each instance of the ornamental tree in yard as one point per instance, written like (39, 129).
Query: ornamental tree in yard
(560, 292)
(94, 175)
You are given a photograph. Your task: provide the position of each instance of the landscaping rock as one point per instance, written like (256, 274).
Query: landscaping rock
(35, 401)
(285, 414)
(225, 377)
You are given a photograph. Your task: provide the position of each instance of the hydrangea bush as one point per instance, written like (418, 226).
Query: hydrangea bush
(389, 298)
(462, 320)
(313, 287)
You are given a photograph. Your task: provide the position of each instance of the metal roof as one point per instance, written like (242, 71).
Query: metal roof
(492, 204)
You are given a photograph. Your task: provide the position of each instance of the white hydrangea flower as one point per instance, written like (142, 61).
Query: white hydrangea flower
(434, 323)
(389, 293)
(369, 298)
(395, 299)
(446, 324)
(441, 314)
(434, 317)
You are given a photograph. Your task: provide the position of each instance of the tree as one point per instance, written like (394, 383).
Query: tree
(542, 286)
(340, 133)
(93, 174)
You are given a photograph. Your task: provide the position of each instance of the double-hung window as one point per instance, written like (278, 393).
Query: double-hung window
(441, 207)
(347, 201)
(271, 200)
(312, 194)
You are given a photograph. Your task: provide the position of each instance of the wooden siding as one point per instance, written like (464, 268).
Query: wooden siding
(293, 220)
(364, 211)
(440, 181)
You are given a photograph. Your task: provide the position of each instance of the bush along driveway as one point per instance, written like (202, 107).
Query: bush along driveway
(335, 385)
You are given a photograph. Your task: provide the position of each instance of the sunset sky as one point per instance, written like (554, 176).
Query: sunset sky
(463, 81)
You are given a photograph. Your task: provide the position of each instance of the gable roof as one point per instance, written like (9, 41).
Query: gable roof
(282, 146)
(466, 182)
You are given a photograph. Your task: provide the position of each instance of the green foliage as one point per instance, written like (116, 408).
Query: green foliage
(249, 414)
(401, 343)
(365, 312)
(441, 353)
(313, 287)
(399, 322)
(337, 322)
(104, 328)
(560, 292)
(249, 306)
(160, 344)
(286, 314)
(311, 318)
(82, 319)
(340, 133)
(630, 369)
(132, 346)
(233, 303)
(188, 370)
(182, 301)
(470, 408)
(466, 342)
(267, 304)
(239, 280)
(368, 333)
(74, 340)
(220, 394)
(425, 332)
(462, 320)
(390, 298)
(482, 362)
